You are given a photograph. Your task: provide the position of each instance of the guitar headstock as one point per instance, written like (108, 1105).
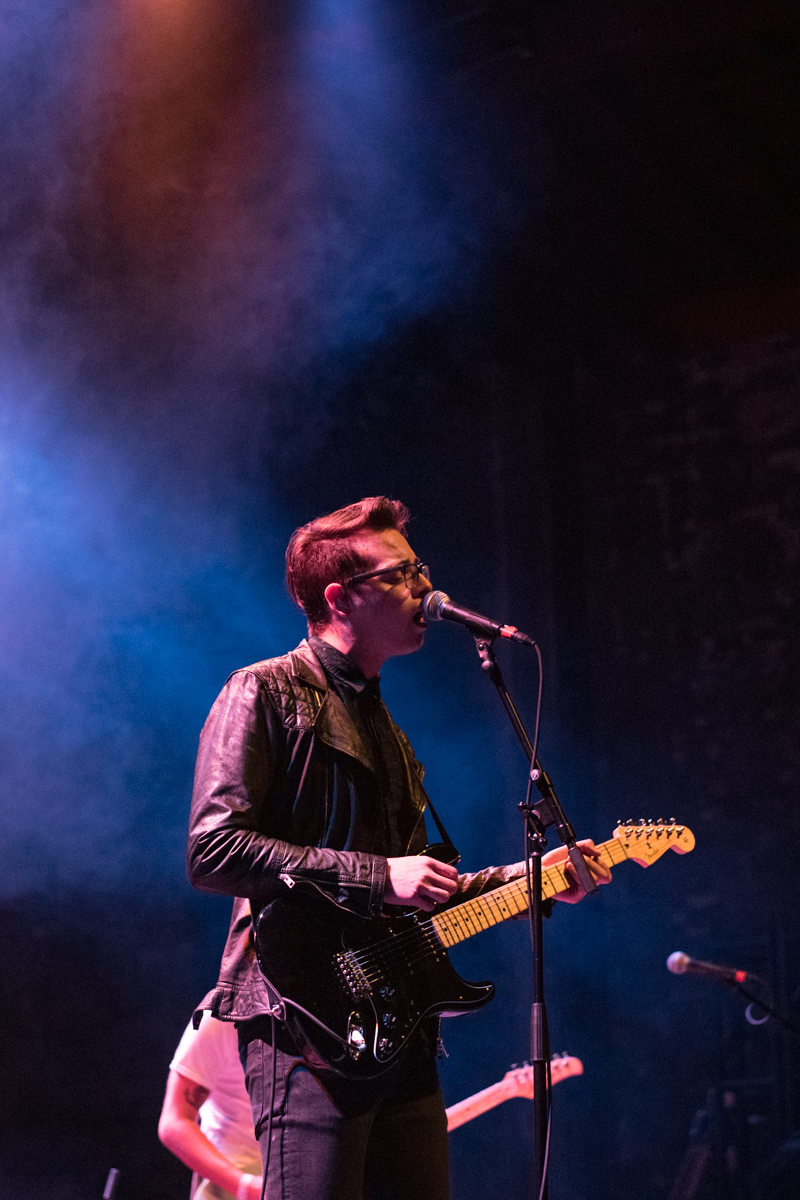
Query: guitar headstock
(645, 841)
(520, 1079)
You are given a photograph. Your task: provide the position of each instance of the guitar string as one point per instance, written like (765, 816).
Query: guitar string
(424, 932)
(461, 922)
(392, 947)
(463, 919)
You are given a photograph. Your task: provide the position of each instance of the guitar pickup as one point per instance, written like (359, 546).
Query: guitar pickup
(353, 974)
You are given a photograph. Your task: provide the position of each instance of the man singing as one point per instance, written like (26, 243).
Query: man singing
(303, 779)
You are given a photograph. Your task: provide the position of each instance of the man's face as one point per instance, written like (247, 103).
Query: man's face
(385, 613)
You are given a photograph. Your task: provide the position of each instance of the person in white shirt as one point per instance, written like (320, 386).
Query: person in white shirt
(206, 1083)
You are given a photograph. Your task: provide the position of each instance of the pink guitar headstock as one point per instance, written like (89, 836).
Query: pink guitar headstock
(562, 1066)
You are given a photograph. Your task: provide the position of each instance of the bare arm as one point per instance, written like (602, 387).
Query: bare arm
(180, 1133)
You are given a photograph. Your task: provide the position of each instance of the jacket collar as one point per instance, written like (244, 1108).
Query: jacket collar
(306, 666)
(343, 672)
(331, 723)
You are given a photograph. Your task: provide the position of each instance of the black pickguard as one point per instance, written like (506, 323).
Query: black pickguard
(371, 981)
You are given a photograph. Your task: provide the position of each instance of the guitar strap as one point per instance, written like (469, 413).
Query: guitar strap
(444, 851)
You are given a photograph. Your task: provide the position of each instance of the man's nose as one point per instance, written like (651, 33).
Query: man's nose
(422, 586)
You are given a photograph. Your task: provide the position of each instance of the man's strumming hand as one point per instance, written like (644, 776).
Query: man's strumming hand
(419, 882)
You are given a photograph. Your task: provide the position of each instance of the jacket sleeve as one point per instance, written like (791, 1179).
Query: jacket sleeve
(479, 882)
(236, 779)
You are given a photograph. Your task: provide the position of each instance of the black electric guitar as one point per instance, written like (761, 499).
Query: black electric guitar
(353, 991)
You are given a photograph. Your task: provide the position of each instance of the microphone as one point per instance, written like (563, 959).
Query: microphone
(437, 606)
(679, 963)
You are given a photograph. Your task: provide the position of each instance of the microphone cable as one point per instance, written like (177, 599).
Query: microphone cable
(272, 1086)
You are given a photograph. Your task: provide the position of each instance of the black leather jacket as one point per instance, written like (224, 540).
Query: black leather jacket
(286, 792)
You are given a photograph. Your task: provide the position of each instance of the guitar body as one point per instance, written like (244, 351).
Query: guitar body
(368, 983)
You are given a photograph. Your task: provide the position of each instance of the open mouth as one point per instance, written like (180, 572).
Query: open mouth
(419, 619)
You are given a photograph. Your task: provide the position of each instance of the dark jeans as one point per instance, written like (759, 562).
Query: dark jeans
(340, 1139)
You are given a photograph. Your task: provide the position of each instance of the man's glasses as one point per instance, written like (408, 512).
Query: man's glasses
(410, 573)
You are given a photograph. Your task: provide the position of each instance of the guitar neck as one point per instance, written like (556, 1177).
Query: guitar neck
(456, 924)
(481, 1102)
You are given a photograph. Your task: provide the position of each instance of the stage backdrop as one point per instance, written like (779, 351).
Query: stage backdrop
(259, 262)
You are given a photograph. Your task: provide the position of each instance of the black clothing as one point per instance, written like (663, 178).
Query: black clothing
(362, 699)
(335, 1139)
(302, 776)
(288, 787)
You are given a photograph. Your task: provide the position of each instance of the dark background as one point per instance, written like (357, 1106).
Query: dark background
(535, 270)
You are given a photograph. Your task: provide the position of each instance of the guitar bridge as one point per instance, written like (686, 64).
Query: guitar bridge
(353, 975)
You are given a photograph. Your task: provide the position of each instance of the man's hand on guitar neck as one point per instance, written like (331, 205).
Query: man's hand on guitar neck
(592, 855)
(419, 882)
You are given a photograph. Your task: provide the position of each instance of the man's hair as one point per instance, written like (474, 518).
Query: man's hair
(326, 551)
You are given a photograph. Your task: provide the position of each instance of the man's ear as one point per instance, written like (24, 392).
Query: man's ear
(338, 600)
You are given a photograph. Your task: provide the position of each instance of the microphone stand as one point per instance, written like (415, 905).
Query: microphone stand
(537, 817)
